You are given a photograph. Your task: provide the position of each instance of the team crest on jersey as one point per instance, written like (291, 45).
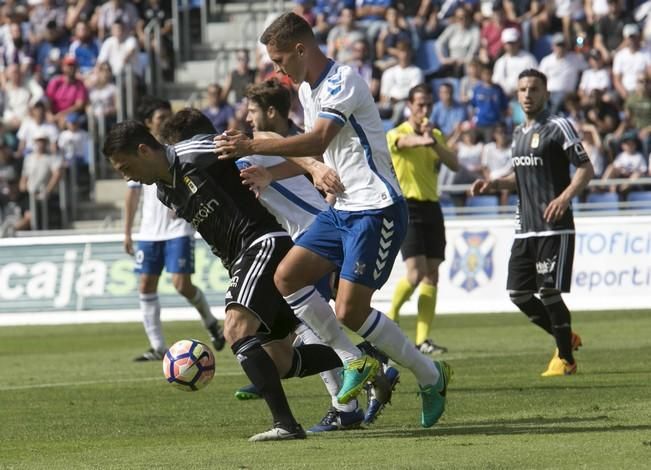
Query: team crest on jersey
(190, 184)
(546, 266)
(472, 265)
(359, 268)
(535, 140)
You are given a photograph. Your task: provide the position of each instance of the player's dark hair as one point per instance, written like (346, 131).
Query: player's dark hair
(184, 125)
(124, 138)
(535, 74)
(270, 93)
(423, 88)
(149, 105)
(286, 31)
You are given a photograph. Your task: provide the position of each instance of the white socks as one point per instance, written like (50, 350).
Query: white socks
(388, 337)
(201, 304)
(331, 378)
(309, 306)
(150, 307)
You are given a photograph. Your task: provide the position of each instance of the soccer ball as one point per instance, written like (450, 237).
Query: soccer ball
(189, 365)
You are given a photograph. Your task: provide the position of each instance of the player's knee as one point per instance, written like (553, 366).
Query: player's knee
(285, 281)
(550, 296)
(183, 285)
(238, 324)
(519, 297)
(414, 277)
(148, 284)
(351, 312)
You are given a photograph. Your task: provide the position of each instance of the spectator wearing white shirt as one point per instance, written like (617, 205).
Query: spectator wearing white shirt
(35, 124)
(512, 62)
(563, 69)
(19, 95)
(120, 49)
(457, 44)
(630, 164)
(630, 62)
(397, 81)
(496, 159)
(597, 77)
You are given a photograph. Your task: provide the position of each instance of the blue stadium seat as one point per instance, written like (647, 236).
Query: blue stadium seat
(387, 124)
(485, 205)
(513, 200)
(426, 57)
(447, 206)
(608, 202)
(640, 197)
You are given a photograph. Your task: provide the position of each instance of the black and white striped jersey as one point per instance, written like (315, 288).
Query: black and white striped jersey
(209, 194)
(541, 157)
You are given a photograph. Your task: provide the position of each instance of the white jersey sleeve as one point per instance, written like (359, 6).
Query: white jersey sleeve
(358, 153)
(294, 202)
(158, 223)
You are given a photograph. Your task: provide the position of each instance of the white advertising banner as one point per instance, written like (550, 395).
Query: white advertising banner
(612, 266)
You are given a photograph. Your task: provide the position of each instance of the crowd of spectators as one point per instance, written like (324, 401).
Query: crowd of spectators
(595, 54)
(59, 59)
(58, 63)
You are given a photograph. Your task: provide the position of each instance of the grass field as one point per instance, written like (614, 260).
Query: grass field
(70, 397)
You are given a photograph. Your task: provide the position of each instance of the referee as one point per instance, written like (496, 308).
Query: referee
(417, 151)
(543, 250)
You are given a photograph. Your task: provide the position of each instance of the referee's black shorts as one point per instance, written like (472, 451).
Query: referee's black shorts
(425, 231)
(541, 263)
(252, 286)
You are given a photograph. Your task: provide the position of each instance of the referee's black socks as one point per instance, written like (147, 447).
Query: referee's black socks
(262, 373)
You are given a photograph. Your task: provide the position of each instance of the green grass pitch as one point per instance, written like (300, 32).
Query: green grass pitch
(70, 397)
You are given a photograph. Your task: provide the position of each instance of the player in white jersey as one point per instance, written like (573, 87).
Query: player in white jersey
(362, 233)
(295, 203)
(163, 241)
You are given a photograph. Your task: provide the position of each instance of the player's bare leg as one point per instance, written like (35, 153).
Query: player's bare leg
(184, 286)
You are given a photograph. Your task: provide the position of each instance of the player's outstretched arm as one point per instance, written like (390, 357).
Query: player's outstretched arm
(482, 186)
(235, 144)
(557, 207)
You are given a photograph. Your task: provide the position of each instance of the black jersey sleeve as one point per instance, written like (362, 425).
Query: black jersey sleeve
(566, 135)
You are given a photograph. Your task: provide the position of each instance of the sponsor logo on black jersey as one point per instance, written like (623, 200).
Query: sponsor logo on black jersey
(527, 160)
(204, 211)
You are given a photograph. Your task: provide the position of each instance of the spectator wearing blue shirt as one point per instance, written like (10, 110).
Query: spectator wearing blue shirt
(489, 104)
(220, 113)
(447, 114)
(50, 51)
(370, 15)
(84, 47)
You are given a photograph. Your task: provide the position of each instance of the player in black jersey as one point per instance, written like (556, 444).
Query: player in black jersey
(543, 250)
(208, 193)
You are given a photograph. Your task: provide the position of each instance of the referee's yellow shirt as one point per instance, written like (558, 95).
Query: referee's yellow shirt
(416, 167)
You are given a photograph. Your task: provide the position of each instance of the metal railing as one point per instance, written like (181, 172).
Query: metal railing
(125, 83)
(153, 48)
(581, 206)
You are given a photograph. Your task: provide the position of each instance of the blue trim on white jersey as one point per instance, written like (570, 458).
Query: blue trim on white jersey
(369, 156)
(295, 199)
(332, 116)
(323, 74)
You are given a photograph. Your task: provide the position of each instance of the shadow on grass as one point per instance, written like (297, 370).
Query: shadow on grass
(531, 426)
